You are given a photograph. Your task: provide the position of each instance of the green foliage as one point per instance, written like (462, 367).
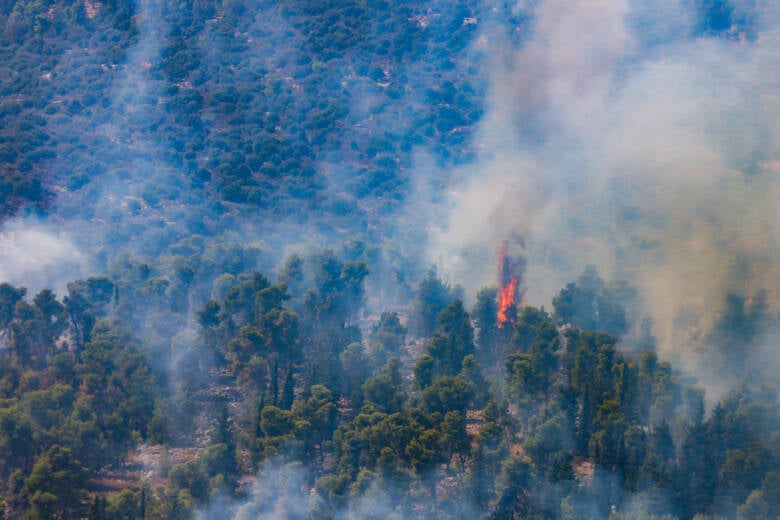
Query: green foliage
(387, 338)
(9, 297)
(357, 369)
(551, 448)
(418, 425)
(531, 369)
(489, 337)
(385, 390)
(592, 304)
(433, 296)
(55, 486)
(374, 440)
(445, 352)
(203, 477)
(448, 393)
(338, 289)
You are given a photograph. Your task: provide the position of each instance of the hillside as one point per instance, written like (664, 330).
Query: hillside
(389, 259)
(235, 107)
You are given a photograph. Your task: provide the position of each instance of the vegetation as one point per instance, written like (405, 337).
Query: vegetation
(197, 374)
(239, 104)
(270, 377)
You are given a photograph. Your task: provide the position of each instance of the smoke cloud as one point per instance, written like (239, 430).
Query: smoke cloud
(38, 257)
(637, 138)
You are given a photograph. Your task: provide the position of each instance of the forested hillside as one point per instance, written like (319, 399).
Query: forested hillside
(389, 259)
(116, 403)
(285, 106)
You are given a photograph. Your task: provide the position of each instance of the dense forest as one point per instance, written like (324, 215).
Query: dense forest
(233, 102)
(434, 410)
(228, 277)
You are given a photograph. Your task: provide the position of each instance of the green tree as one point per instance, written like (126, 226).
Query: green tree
(521, 376)
(659, 465)
(292, 275)
(424, 371)
(606, 445)
(16, 440)
(356, 370)
(517, 480)
(591, 304)
(432, 297)
(488, 451)
(455, 440)
(423, 450)
(384, 390)
(488, 335)
(471, 371)
(448, 393)
(125, 504)
(120, 381)
(55, 487)
(551, 448)
(453, 342)
(319, 411)
(9, 296)
(387, 338)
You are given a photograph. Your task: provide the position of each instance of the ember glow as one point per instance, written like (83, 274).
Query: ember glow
(507, 289)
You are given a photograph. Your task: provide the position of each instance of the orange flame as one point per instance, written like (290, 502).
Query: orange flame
(506, 298)
(507, 290)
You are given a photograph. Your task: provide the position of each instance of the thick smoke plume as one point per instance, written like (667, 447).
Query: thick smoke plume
(637, 138)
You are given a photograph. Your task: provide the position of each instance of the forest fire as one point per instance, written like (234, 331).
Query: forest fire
(507, 289)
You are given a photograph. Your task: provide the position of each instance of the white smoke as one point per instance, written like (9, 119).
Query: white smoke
(38, 257)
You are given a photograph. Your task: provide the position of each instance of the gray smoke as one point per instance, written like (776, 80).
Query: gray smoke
(621, 135)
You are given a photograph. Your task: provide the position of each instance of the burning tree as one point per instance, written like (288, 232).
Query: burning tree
(509, 277)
